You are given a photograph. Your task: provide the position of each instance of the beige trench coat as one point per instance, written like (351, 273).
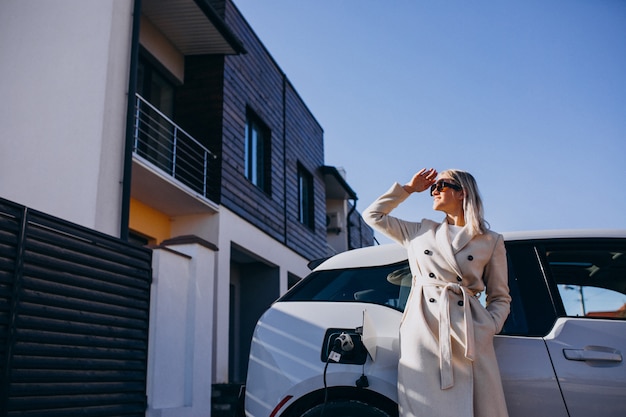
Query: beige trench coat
(447, 365)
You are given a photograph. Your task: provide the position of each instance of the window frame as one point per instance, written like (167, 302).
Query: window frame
(257, 152)
(306, 195)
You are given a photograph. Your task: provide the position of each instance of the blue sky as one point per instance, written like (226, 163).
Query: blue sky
(529, 96)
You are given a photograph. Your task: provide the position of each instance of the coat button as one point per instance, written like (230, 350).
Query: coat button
(426, 252)
(459, 279)
(432, 300)
(432, 275)
(470, 258)
(460, 303)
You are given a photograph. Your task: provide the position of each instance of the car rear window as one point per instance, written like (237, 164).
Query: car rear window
(387, 285)
(590, 278)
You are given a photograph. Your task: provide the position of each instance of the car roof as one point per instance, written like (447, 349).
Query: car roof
(564, 234)
(386, 254)
(391, 253)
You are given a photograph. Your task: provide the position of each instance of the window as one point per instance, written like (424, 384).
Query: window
(154, 131)
(305, 198)
(292, 280)
(139, 239)
(387, 285)
(257, 153)
(155, 88)
(591, 279)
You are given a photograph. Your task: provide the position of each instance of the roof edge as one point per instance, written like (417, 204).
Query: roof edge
(221, 26)
(330, 170)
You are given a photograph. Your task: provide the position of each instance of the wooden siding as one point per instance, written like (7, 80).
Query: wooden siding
(212, 106)
(305, 146)
(255, 81)
(73, 319)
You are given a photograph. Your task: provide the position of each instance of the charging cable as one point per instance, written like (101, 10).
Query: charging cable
(343, 343)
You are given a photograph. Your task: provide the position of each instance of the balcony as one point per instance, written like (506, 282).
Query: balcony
(170, 167)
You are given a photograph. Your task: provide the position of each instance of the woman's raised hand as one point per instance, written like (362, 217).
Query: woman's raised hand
(421, 181)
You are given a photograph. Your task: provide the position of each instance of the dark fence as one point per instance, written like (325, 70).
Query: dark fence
(74, 307)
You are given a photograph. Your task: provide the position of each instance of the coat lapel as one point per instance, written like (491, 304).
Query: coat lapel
(445, 246)
(462, 239)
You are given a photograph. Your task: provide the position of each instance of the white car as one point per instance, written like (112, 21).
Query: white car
(330, 345)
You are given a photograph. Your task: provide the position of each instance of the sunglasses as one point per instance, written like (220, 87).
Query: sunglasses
(440, 185)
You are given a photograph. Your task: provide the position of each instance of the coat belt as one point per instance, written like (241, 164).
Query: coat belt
(445, 342)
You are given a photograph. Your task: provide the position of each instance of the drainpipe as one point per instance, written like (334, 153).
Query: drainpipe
(130, 120)
(284, 98)
(348, 228)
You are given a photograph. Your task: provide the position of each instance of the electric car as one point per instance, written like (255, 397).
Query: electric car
(329, 346)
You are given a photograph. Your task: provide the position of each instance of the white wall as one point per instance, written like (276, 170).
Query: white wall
(235, 230)
(162, 49)
(205, 226)
(338, 241)
(64, 75)
(181, 332)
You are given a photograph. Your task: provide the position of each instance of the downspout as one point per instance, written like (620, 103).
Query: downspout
(285, 225)
(130, 120)
(348, 228)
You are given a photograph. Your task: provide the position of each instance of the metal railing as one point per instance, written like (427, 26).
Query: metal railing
(163, 143)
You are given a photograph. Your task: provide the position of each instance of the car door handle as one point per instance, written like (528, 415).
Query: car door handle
(593, 353)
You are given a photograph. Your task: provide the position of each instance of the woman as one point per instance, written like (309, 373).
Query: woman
(447, 362)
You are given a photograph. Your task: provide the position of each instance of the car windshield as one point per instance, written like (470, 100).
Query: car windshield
(387, 285)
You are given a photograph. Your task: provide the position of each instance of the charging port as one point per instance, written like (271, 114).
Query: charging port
(353, 353)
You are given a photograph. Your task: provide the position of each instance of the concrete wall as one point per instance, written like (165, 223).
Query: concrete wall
(181, 331)
(338, 239)
(238, 235)
(162, 49)
(64, 67)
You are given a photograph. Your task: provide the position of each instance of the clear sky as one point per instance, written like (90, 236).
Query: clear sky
(529, 96)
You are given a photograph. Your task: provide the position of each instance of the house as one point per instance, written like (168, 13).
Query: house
(169, 124)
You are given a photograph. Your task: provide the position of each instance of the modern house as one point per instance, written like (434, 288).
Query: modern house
(168, 123)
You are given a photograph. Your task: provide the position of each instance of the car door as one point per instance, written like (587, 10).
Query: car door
(587, 343)
(530, 384)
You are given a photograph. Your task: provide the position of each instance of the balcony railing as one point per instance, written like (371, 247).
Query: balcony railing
(168, 147)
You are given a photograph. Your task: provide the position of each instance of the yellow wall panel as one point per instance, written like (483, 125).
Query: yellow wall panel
(149, 222)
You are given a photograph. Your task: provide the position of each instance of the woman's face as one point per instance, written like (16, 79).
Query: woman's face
(448, 199)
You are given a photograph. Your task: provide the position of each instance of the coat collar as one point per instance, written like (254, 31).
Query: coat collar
(449, 249)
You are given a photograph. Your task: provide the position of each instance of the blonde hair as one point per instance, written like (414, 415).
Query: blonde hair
(472, 203)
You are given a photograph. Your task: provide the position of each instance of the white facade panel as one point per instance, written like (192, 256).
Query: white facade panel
(169, 308)
(64, 67)
(158, 45)
(181, 332)
(235, 230)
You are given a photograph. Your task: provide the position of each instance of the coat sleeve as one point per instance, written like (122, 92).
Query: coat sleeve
(497, 287)
(377, 216)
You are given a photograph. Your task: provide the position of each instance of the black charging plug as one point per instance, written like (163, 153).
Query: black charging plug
(362, 382)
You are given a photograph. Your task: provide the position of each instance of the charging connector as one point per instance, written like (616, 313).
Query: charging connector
(345, 342)
(343, 346)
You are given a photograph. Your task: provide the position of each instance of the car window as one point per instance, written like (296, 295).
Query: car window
(590, 279)
(516, 323)
(387, 285)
